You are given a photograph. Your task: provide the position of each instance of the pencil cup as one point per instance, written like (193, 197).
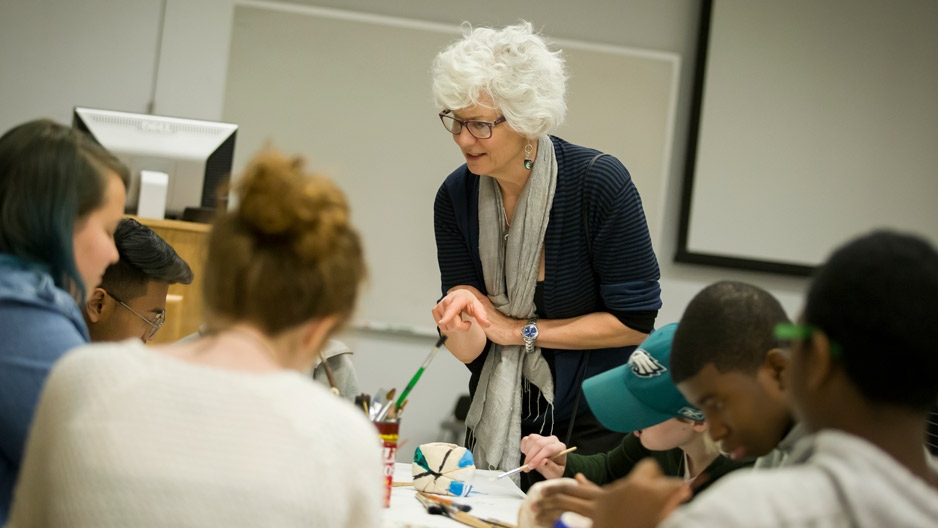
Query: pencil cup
(387, 432)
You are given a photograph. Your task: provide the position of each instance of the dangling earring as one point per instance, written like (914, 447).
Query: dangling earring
(528, 162)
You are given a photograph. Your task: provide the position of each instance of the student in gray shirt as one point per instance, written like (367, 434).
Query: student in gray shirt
(862, 377)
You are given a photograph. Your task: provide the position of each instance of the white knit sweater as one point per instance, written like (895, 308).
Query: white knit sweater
(124, 436)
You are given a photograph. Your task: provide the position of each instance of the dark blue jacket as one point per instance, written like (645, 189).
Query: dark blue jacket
(39, 323)
(619, 275)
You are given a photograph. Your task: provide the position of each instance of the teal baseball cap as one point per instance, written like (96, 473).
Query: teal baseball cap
(640, 393)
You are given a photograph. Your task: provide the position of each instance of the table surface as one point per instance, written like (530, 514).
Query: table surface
(490, 499)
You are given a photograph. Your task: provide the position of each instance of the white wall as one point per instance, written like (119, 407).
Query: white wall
(193, 59)
(118, 43)
(56, 54)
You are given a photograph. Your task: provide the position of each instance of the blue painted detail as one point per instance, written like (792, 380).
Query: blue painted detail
(466, 460)
(459, 488)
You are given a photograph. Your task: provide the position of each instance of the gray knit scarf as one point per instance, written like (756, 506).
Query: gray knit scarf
(509, 263)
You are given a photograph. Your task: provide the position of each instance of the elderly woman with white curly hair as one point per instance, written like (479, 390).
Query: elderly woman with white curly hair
(547, 270)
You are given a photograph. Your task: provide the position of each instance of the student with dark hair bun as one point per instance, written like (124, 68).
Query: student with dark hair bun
(226, 430)
(130, 302)
(61, 197)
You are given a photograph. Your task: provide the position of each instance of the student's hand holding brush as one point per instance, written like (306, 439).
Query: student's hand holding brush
(540, 454)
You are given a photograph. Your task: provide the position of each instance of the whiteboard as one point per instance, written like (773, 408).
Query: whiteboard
(819, 121)
(351, 93)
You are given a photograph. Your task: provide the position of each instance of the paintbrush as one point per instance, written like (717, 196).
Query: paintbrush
(449, 502)
(413, 380)
(426, 363)
(524, 467)
(329, 376)
(436, 508)
(398, 411)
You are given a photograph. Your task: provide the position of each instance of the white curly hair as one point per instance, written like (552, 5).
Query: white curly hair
(525, 80)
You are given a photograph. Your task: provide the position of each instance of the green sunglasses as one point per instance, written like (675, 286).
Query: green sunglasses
(788, 332)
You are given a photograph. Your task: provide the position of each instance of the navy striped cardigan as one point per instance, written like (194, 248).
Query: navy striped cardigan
(620, 276)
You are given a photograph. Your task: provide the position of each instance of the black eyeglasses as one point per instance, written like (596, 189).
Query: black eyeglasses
(154, 325)
(478, 129)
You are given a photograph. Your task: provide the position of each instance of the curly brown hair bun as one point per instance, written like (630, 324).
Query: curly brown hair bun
(278, 199)
(288, 253)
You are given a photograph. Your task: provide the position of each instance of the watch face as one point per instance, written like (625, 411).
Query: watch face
(529, 331)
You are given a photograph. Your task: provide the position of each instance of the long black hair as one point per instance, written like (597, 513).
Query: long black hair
(50, 176)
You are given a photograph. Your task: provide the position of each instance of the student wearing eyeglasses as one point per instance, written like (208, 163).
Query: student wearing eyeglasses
(130, 302)
(547, 271)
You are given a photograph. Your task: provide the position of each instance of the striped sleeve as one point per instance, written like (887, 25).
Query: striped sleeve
(599, 256)
(622, 253)
(931, 434)
(453, 217)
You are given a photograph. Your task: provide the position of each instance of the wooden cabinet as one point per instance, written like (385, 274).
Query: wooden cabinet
(184, 307)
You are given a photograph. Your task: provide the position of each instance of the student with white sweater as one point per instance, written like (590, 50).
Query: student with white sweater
(228, 430)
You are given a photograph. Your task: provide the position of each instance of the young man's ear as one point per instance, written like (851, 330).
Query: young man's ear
(95, 306)
(816, 353)
(776, 362)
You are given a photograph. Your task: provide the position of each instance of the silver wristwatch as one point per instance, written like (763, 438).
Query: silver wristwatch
(529, 334)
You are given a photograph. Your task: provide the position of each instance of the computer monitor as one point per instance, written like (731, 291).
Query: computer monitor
(196, 155)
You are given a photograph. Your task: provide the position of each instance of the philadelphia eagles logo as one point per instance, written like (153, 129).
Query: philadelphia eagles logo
(645, 366)
(692, 414)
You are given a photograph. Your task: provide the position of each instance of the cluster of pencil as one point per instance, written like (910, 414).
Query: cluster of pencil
(381, 407)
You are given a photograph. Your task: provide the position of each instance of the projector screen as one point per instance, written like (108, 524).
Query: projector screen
(814, 121)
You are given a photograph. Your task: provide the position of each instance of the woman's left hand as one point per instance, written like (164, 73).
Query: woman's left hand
(502, 329)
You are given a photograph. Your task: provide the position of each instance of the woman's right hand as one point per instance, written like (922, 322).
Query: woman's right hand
(449, 312)
(537, 451)
(456, 315)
